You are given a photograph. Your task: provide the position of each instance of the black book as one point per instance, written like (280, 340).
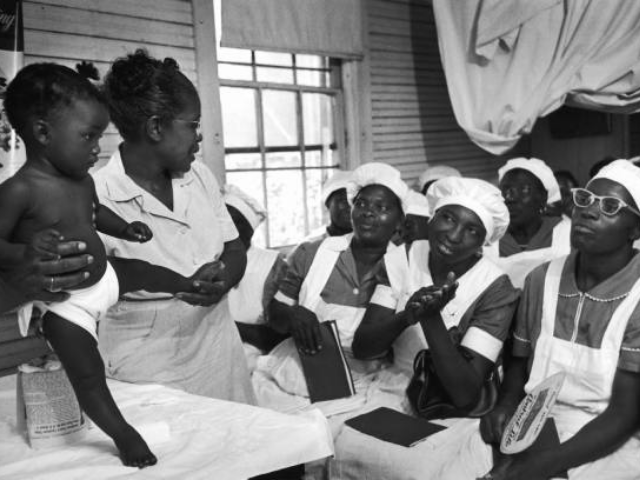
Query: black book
(393, 426)
(326, 372)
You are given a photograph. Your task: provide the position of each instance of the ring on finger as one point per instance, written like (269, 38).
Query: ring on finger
(51, 285)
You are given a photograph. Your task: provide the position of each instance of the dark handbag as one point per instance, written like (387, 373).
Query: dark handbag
(430, 400)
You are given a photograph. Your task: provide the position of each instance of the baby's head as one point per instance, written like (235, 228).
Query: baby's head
(59, 113)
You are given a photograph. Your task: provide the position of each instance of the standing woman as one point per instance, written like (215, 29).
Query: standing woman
(528, 186)
(153, 177)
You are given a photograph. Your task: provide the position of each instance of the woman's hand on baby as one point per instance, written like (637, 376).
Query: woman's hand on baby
(209, 284)
(137, 232)
(305, 330)
(49, 266)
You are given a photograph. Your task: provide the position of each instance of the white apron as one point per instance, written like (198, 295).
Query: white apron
(407, 275)
(282, 364)
(586, 391)
(245, 300)
(519, 265)
(195, 349)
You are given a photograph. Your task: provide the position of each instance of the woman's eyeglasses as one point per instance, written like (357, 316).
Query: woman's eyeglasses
(609, 206)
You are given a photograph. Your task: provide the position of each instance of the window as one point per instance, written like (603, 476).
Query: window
(282, 120)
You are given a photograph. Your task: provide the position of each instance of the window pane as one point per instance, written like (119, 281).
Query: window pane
(286, 207)
(274, 75)
(317, 118)
(251, 184)
(283, 159)
(310, 61)
(272, 58)
(239, 117)
(234, 72)
(313, 78)
(320, 158)
(280, 125)
(238, 55)
(235, 161)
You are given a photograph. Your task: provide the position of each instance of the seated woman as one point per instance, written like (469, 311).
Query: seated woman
(248, 301)
(474, 296)
(532, 238)
(331, 279)
(579, 315)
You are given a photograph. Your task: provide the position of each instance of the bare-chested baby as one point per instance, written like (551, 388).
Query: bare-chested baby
(60, 116)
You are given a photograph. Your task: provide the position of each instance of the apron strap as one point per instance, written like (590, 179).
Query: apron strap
(550, 297)
(320, 270)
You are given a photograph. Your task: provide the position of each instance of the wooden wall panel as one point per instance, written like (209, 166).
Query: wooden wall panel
(69, 31)
(411, 117)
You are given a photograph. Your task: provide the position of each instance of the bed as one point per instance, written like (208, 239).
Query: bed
(193, 437)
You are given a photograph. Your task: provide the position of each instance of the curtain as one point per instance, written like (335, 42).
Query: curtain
(320, 27)
(508, 62)
(12, 153)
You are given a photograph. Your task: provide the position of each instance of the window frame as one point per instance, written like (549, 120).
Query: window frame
(339, 121)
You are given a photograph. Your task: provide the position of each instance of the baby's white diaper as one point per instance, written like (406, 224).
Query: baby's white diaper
(85, 307)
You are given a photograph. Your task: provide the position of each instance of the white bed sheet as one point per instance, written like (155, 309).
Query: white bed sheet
(193, 437)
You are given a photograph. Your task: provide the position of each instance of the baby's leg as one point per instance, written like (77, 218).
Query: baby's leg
(78, 352)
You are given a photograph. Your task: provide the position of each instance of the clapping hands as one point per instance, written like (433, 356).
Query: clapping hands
(428, 301)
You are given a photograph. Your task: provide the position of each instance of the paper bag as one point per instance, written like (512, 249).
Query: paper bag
(48, 410)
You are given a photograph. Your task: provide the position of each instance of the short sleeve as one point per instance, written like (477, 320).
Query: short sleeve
(275, 276)
(491, 318)
(299, 264)
(630, 351)
(228, 228)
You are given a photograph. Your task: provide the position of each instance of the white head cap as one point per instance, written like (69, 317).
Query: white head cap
(417, 204)
(377, 174)
(337, 181)
(246, 205)
(435, 173)
(479, 196)
(626, 174)
(541, 171)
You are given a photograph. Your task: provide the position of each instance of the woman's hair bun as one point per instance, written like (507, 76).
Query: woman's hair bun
(88, 70)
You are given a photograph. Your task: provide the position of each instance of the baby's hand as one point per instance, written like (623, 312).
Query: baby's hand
(138, 232)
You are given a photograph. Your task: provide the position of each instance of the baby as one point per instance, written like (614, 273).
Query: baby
(60, 117)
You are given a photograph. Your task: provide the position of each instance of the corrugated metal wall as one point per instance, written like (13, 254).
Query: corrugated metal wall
(412, 119)
(69, 31)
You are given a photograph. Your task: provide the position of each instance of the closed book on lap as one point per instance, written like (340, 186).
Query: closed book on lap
(326, 372)
(393, 426)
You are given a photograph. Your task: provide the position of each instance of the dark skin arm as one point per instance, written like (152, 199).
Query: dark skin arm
(32, 278)
(461, 376)
(511, 393)
(598, 438)
(299, 322)
(260, 336)
(108, 222)
(220, 276)
(14, 203)
(378, 330)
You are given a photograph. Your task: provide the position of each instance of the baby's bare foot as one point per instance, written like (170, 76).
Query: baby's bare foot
(134, 451)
